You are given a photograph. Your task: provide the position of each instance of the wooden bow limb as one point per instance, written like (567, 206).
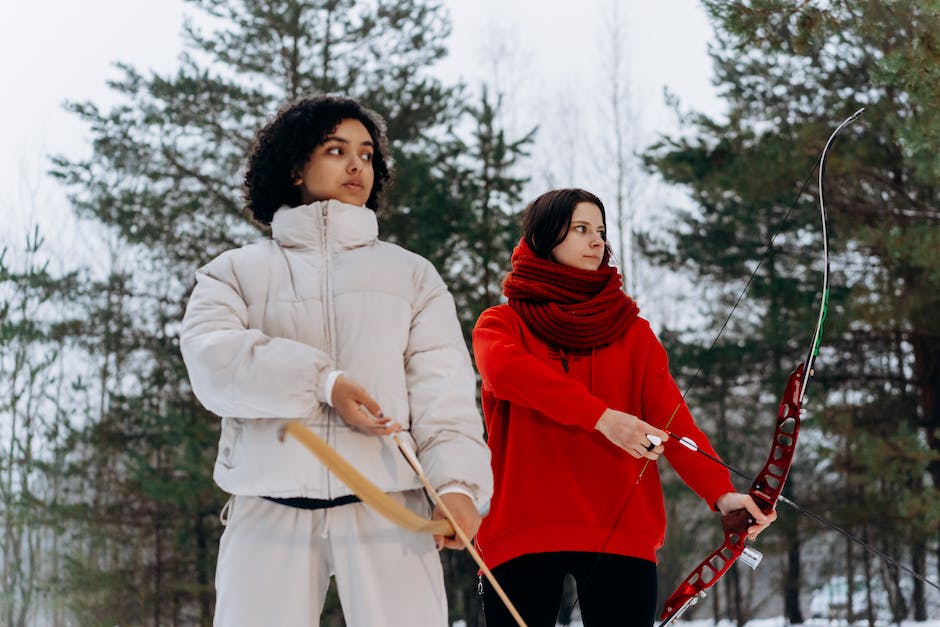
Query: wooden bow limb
(413, 460)
(370, 493)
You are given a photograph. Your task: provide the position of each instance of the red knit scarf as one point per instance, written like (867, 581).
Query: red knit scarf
(570, 307)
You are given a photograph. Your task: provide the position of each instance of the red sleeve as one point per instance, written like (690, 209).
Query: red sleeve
(511, 373)
(664, 407)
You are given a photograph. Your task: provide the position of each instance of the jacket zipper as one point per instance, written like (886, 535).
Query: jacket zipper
(327, 296)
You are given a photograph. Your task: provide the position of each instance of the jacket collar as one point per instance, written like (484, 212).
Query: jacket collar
(345, 227)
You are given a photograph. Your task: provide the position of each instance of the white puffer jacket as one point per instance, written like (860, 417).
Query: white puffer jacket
(268, 322)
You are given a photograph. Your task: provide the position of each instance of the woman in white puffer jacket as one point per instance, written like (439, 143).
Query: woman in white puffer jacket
(317, 324)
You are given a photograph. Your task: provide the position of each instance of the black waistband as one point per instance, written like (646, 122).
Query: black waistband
(304, 503)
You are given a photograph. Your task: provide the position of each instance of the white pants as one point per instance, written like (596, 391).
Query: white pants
(275, 564)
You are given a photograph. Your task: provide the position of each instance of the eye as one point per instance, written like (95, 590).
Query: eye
(580, 228)
(367, 156)
(603, 235)
(335, 150)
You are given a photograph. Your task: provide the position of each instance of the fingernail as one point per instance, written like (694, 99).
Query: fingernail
(381, 414)
(437, 545)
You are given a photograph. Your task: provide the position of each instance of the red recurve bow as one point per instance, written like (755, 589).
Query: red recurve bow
(766, 488)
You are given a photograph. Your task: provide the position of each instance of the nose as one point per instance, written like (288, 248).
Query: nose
(353, 165)
(597, 240)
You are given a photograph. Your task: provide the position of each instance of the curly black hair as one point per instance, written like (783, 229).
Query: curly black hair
(283, 146)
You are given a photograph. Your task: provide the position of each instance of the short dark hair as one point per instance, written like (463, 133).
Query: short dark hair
(283, 146)
(545, 222)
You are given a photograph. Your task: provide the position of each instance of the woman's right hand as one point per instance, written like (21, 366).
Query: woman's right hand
(629, 433)
(359, 410)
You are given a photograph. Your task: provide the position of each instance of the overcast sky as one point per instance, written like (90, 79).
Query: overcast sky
(541, 50)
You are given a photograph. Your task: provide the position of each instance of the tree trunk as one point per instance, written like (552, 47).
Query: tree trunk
(791, 582)
(919, 566)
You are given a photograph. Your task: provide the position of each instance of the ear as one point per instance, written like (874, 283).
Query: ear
(297, 178)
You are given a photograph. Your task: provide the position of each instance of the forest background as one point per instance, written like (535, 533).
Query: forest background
(109, 513)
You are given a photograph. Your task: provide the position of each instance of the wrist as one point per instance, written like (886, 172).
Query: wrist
(721, 503)
(457, 488)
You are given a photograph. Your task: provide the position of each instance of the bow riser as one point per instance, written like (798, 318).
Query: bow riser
(765, 490)
(767, 486)
(709, 571)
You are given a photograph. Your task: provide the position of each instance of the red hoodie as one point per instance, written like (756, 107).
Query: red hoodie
(559, 483)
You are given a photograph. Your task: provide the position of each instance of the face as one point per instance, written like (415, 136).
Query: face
(340, 168)
(584, 245)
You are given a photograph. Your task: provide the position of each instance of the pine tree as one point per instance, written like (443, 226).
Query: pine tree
(34, 333)
(790, 72)
(468, 229)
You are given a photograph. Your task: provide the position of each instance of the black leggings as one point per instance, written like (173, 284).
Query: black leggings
(613, 589)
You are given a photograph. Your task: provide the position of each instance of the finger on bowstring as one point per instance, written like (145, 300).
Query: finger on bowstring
(369, 405)
(387, 429)
(373, 412)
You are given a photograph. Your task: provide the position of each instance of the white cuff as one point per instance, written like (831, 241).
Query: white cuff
(456, 488)
(328, 387)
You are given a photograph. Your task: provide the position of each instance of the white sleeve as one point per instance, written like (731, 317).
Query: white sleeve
(328, 386)
(239, 372)
(455, 488)
(445, 421)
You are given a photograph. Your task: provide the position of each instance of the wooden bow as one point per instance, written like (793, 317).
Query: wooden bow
(370, 493)
(372, 496)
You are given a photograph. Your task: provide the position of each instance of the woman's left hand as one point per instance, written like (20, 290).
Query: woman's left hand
(733, 501)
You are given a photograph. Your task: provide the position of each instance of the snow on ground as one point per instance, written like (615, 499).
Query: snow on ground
(771, 622)
(781, 622)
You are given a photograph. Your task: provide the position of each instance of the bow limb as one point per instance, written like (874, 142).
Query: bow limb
(361, 485)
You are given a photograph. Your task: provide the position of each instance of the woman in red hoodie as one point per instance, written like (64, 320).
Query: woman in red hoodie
(576, 396)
